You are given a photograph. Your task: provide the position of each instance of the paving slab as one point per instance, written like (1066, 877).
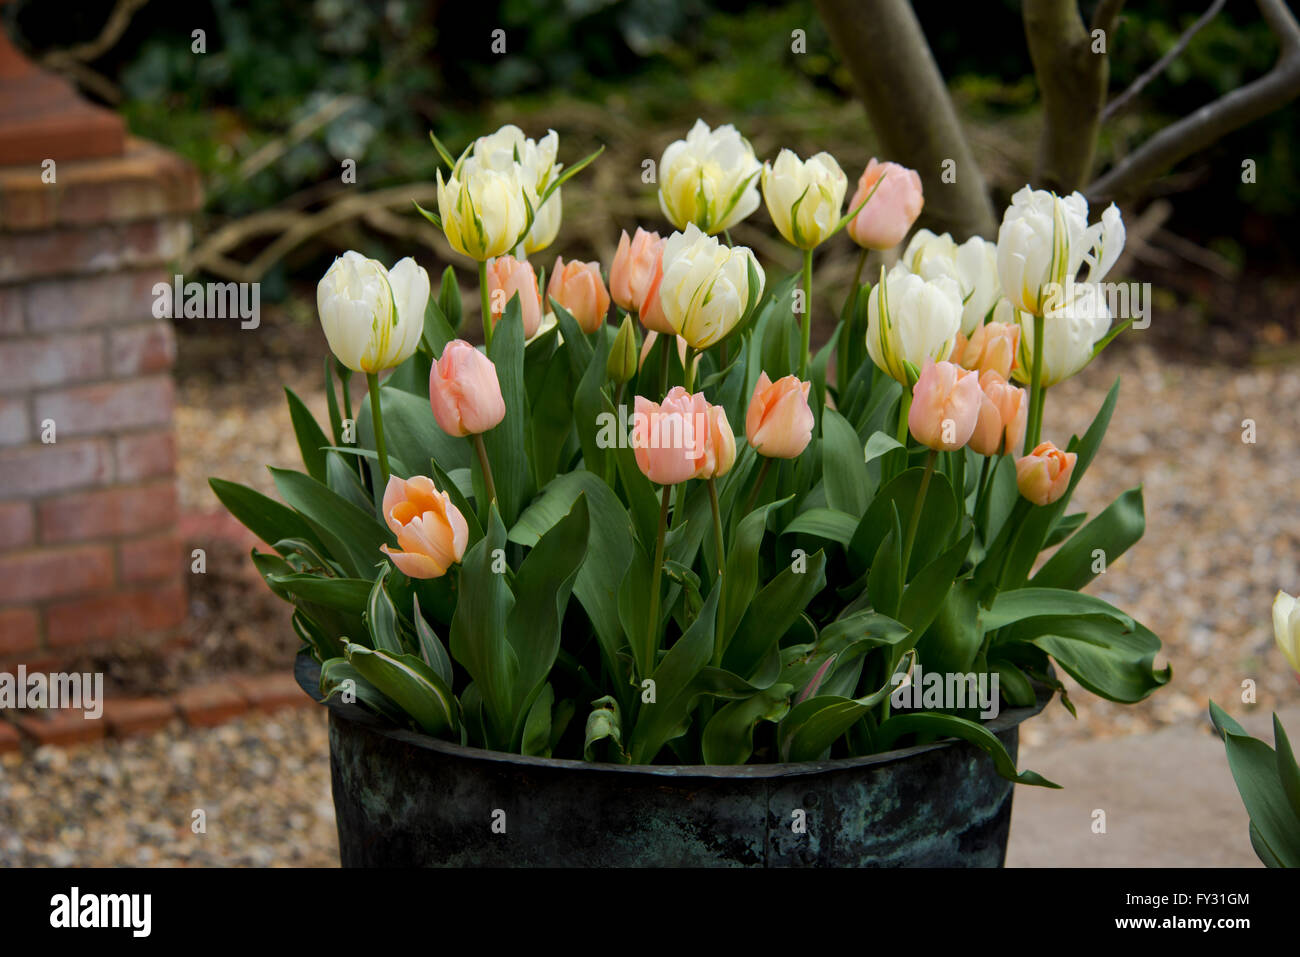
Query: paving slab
(1168, 798)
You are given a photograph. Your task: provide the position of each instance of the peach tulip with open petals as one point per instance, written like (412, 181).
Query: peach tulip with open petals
(891, 211)
(578, 288)
(430, 530)
(670, 439)
(945, 406)
(1044, 474)
(506, 276)
(991, 347)
(464, 391)
(634, 268)
(1004, 413)
(779, 421)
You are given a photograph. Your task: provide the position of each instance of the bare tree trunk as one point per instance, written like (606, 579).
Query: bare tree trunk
(907, 102)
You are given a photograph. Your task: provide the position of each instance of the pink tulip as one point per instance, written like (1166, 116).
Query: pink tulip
(671, 439)
(507, 276)
(779, 422)
(634, 268)
(992, 347)
(1004, 412)
(579, 289)
(890, 213)
(719, 445)
(1044, 474)
(430, 530)
(945, 406)
(464, 391)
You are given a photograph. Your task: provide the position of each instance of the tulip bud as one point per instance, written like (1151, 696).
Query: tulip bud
(430, 530)
(910, 320)
(1286, 627)
(973, 266)
(1004, 414)
(704, 291)
(508, 276)
(464, 391)
(577, 287)
(708, 179)
(779, 421)
(635, 266)
(669, 439)
(889, 214)
(804, 197)
(1044, 474)
(482, 208)
(945, 406)
(533, 162)
(622, 362)
(372, 317)
(992, 348)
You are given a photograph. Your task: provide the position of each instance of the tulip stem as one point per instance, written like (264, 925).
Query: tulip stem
(857, 276)
(652, 631)
(377, 417)
(690, 369)
(721, 559)
(916, 511)
(486, 302)
(1035, 389)
(753, 495)
(486, 466)
(664, 359)
(904, 410)
(806, 339)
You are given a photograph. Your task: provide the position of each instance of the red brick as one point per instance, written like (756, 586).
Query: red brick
(108, 406)
(150, 559)
(10, 739)
(19, 630)
(146, 455)
(63, 726)
(15, 425)
(50, 572)
(59, 252)
(17, 525)
(92, 300)
(126, 613)
(131, 716)
(139, 350)
(211, 704)
(45, 469)
(271, 692)
(108, 512)
(27, 364)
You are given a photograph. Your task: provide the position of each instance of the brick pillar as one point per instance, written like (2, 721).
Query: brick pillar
(89, 547)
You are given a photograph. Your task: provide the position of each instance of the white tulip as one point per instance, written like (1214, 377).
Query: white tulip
(373, 317)
(1044, 241)
(909, 320)
(534, 161)
(1073, 325)
(708, 179)
(973, 265)
(482, 208)
(1286, 627)
(704, 292)
(804, 196)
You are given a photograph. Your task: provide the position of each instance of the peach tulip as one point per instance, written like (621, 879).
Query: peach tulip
(578, 288)
(719, 445)
(779, 421)
(430, 530)
(671, 439)
(651, 313)
(1044, 474)
(634, 268)
(507, 276)
(945, 406)
(1004, 413)
(992, 347)
(891, 211)
(464, 391)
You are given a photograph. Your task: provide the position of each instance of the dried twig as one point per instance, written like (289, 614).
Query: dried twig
(1125, 99)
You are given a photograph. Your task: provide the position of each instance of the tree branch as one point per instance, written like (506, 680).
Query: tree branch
(1072, 82)
(1121, 102)
(899, 82)
(1214, 121)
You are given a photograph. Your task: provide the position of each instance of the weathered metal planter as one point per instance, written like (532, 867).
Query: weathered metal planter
(405, 799)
